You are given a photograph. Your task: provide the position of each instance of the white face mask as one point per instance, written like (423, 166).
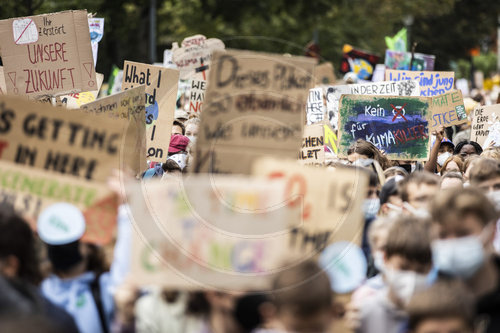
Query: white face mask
(378, 260)
(191, 138)
(405, 283)
(460, 257)
(371, 207)
(422, 213)
(442, 158)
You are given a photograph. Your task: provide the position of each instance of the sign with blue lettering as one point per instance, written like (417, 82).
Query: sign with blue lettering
(431, 83)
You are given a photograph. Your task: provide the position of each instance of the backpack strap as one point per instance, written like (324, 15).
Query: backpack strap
(95, 288)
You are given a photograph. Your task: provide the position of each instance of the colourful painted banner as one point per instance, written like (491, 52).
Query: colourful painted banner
(397, 125)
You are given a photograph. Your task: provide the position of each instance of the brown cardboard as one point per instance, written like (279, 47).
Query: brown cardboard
(75, 100)
(448, 110)
(3, 88)
(31, 190)
(161, 95)
(182, 238)
(331, 201)
(313, 141)
(127, 105)
(47, 54)
(254, 106)
(324, 74)
(75, 143)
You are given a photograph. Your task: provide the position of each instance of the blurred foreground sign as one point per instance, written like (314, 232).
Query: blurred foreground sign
(47, 54)
(254, 106)
(216, 232)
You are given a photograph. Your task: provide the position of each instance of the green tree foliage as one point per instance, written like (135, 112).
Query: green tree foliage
(446, 28)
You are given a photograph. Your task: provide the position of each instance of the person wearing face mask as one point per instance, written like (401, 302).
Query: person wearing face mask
(417, 191)
(407, 263)
(371, 207)
(440, 151)
(464, 228)
(192, 129)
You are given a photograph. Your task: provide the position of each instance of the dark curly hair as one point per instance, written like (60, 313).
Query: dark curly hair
(461, 144)
(17, 239)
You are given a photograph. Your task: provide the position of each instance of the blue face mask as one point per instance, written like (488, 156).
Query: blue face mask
(371, 207)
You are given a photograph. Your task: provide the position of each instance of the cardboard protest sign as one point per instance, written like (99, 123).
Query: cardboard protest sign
(161, 94)
(486, 125)
(167, 59)
(128, 105)
(315, 110)
(324, 74)
(359, 62)
(254, 106)
(214, 232)
(397, 125)
(194, 56)
(197, 95)
(313, 140)
(382, 88)
(448, 110)
(401, 60)
(431, 83)
(3, 87)
(73, 143)
(47, 54)
(96, 28)
(30, 191)
(75, 100)
(331, 201)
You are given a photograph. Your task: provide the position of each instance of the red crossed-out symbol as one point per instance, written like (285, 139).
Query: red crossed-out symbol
(399, 112)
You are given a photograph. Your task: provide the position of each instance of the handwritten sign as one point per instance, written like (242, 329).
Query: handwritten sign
(31, 190)
(401, 60)
(254, 106)
(202, 231)
(75, 100)
(431, 83)
(3, 87)
(197, 95)
(194, 56)
(47, 54)
(73, 143)
(313, 141)
(161, 95)
(330, 199)
(324, 74)
(485, 125)
(448, 110)
(315, 110)
(382, 88)
(397, 125)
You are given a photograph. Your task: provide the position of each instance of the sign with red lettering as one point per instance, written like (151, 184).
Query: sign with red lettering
(47, 54)
(75, 143)
(397, 125)
(197, 95)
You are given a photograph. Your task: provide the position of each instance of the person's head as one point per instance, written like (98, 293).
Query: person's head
(451, 180)
(468, 163)
(419, 188)
(446, 146)
(178, 128)
(303, 299)
(466, 148)
(250, 310)
(452, 164)
(394, 172)
(390, 200)
(192, 128)
(18, 258)
(365, 149)
(463, 228)
(181, 116)
(178, 143)
(371, 204)
(377, 239)
(408, 258)
(493, 153)
(485, 175)
(175, 163)
(445, 307)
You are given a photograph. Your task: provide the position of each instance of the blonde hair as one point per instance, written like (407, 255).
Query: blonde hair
(493, 153)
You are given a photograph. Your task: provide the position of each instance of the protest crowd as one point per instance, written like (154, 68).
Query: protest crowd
(227, 191)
